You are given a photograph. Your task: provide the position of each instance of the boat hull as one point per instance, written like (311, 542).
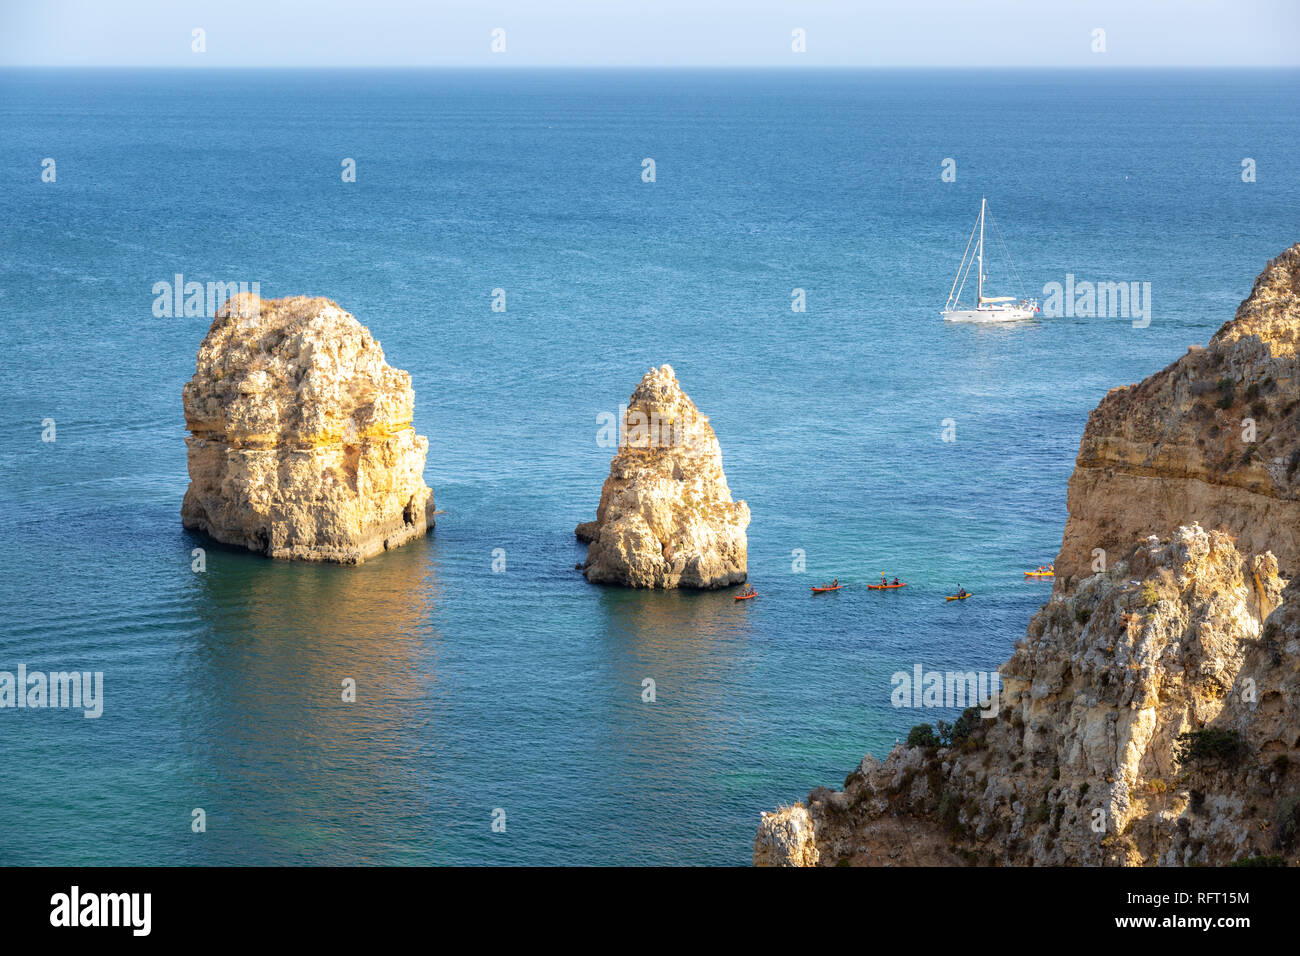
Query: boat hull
(1015, 314)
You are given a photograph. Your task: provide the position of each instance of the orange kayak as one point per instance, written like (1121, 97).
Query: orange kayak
(746, 597)
(886, 587)
(820, 590)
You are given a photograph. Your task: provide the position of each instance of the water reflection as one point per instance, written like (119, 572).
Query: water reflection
(286, 770)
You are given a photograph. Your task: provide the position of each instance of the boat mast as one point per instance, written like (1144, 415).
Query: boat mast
(979, 294)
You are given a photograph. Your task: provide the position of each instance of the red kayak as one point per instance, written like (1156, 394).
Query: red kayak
(746, 597)
(822, 590)
(886, 587)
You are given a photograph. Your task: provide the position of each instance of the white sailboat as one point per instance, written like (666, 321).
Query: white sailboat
(1005, 308)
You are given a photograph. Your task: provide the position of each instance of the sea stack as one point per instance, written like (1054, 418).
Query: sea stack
(301, 444)
(1149, 716)
(666, 518)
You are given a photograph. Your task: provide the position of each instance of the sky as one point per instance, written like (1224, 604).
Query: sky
(645, 33)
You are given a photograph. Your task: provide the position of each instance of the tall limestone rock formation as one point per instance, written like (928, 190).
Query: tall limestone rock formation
(301, 443)
(1151, 715)
(666, 518)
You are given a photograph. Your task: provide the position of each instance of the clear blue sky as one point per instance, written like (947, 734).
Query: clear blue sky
(866, 33)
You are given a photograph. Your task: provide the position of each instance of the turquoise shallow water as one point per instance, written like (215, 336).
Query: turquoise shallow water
(522, 690)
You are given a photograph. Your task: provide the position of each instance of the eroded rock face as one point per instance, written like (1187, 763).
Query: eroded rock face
(301, 444)
(785, 838)
(1180, 445)
(666, 518)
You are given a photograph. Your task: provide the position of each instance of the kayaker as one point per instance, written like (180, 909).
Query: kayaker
(961, 591)
(895, 582)
(835, 583)
(883, 579)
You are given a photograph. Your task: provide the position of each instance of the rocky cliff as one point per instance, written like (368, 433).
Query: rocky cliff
(666, 518)
(1215, 437)
(301, 444)
(1151, 715)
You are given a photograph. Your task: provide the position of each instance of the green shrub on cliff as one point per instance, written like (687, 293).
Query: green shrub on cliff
(966, 726)
(1260, 861)
(950, 806)
(922, 735)
(963, 731)
(1226, 389)
(1225, 747)
(1288, 823)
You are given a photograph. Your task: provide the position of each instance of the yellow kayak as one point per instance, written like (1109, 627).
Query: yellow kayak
(1040, 574)
(957, 597)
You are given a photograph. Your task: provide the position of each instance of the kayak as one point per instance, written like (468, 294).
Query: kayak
(746, 597)
(820, 590)
(957, 597)
(1040, 574)
(886, 587)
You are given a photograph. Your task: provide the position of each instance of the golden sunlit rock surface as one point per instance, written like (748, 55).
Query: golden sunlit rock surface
(301, 444)
(666, 518)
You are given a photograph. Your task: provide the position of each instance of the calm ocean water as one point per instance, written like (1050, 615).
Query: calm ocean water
(522, 690)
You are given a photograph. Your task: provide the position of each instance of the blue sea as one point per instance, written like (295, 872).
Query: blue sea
(518, 695)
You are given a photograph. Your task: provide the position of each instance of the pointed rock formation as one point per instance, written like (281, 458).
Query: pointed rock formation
(666, 518)
(301, 443)
(1213, 438)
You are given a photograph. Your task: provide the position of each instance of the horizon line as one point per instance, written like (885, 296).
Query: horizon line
(1017, 68)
